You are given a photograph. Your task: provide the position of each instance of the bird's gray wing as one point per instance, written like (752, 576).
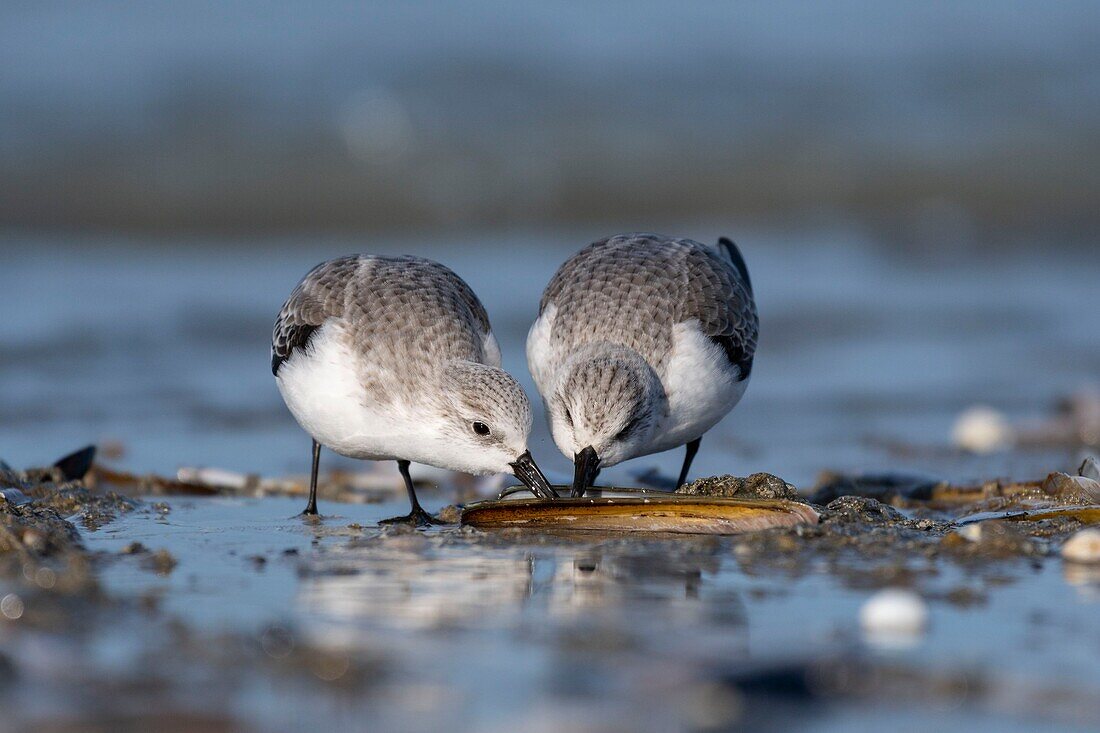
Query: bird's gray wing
(320, 295)
(633, 288)
(717, 293)
(573, 274)
(463, 292)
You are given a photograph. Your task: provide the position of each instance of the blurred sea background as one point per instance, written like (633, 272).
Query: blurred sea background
(914, 186)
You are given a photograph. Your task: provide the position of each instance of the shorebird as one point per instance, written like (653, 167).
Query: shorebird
(642, 344)
(393, 358)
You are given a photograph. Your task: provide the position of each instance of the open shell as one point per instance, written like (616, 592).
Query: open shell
(627, 511)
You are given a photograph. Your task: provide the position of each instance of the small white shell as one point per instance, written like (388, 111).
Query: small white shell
(893, 617)
(1083, 547)
(982, 429)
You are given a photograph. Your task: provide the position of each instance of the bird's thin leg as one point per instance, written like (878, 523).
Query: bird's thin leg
(311, 507)
(689, 456)
(417, 515)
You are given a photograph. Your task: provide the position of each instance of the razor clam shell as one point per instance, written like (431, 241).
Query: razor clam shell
(669, 513)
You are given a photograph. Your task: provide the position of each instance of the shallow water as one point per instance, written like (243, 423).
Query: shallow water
(865, 361)
(477, 632)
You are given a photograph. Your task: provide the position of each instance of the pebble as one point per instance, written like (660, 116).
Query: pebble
(982, 429)
(1083, 547)
(161, 562)
(894, 612)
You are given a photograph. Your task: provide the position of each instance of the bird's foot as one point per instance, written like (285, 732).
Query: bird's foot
(416, 518)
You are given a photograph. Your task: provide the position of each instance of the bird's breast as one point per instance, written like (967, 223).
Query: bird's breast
(701, 386)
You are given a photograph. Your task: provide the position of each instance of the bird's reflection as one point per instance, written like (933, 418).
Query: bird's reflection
(587, 582)
(417, 585)
(416, 589)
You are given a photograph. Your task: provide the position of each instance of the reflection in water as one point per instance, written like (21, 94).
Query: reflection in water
(408, 583)
(663, 587)
(455, 630)
(1085, 578)
(411, 588)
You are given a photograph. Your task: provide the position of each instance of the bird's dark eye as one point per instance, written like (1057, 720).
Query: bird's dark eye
(481, 428)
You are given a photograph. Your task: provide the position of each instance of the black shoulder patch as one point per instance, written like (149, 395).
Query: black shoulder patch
(295, 337)
(736, 354)
(737, 259)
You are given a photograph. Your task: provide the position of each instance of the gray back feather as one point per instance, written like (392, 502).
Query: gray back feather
(398, 312)
(631, 289)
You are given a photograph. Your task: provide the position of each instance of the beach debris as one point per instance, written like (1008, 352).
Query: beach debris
(863, 509)
(13, 496)
(1088, 514)
(1076, 419)
(450, 514)
(893, 617)
(378, 483)
(351, 488)
(756, 486)
(31, 530)
(982, 429)
(1075, 422)
(887, 487)
(160, 562)
(1076, 489)
(970, 532)
(218, 478)
(76, 465)
(1090, 468)
(72, 467)
(672, 513)
(134, 484)
(1083, 547)
(991, 539)
(910, 490)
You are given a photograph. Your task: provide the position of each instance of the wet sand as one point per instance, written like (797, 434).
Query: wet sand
(228, 612)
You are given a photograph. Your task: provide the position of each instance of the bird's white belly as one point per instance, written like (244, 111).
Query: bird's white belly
(322, 389)
(539, 352)
(702, 387)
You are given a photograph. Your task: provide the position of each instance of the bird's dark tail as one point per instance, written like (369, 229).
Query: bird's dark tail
(726, 245)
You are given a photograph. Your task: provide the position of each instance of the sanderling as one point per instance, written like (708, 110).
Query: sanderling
(642, 344)
(393, 358)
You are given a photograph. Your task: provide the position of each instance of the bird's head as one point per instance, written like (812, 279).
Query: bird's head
(604, 408)
(483, 426)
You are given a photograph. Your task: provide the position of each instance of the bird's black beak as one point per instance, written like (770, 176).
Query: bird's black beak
(586, 465)
(527, 471)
